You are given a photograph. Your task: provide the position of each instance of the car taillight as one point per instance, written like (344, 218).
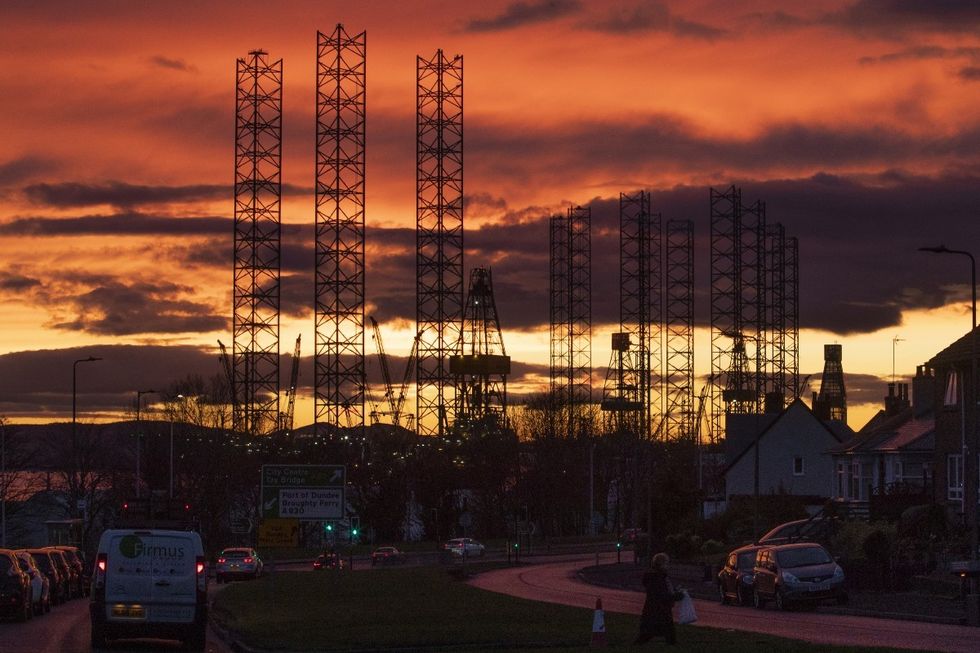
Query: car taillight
(221, 561)
(247, 561)
(101, 564)
(202, 577)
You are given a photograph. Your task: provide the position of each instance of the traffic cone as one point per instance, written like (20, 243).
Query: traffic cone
(598, 626)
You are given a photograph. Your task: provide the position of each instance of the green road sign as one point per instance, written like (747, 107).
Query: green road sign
(305, 492)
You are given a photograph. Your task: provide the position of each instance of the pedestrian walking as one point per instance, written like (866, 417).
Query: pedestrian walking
(658, 618)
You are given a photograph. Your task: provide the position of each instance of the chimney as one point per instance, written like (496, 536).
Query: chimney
(923, 387)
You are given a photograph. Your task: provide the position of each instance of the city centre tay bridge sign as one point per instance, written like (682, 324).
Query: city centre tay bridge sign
(305, 492)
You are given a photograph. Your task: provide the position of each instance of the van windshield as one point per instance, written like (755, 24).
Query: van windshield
(811, 555)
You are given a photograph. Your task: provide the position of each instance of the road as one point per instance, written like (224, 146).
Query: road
(66, 630)
(557, 582)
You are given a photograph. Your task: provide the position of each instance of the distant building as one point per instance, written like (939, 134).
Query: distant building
(793, 458)
(890, 460)
(831, 402)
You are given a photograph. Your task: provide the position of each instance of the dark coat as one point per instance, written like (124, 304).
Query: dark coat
(658, 617)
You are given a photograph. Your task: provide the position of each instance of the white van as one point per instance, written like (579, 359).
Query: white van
(150, 583)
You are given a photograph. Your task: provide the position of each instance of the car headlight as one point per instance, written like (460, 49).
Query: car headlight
(838, 572)
(790, 578)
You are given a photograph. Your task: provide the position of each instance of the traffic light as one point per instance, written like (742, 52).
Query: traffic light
(355, 527)
(328, 527)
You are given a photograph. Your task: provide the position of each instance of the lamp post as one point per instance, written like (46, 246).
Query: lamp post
(139, 402)
(969, 443)
(74, 368)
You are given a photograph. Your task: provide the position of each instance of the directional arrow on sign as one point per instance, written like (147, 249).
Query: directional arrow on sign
(271, 503)
(338, 475)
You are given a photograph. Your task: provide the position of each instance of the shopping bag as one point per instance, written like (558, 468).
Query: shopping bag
(685, 610)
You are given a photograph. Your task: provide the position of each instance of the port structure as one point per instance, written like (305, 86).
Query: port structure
(481, 365)
(257, 231)
(439, 237)
(754, 311)
(570, 312)
(678, 380)
(632, 393)
(338, 359)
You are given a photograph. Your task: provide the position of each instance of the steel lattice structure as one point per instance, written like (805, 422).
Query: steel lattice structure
(439, 236)
(339, 371)
(482, 364)
(641, 302)
(258, 191)
(580, 305)
(791, 313)
(725, 214)
(679, 328)
(774, 373)
(755, 327)
(560, 351)
(571, 309)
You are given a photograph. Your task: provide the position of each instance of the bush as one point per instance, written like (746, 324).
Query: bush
(682, 546)
(713, 547)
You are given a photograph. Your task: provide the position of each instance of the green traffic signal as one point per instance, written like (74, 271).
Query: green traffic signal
(354, 532)
(328, 527)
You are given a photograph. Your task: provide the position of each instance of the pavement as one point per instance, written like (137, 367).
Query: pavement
(909, 606)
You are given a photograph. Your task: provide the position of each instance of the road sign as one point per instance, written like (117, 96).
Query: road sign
(279, 533)
(304, 492)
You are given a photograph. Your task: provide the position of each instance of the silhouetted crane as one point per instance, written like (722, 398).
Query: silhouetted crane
(287, 417)
(395, 401)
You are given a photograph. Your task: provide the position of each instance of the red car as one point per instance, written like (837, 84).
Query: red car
(387, 555)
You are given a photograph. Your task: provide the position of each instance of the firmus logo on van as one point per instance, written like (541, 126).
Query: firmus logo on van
(132, 546)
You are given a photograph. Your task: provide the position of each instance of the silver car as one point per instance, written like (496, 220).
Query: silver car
(458, 545)
(796, 573)
(238, 562)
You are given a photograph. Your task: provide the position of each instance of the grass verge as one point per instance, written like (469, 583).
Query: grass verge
(425, 608)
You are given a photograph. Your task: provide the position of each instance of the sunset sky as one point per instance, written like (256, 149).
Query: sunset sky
(854, 121)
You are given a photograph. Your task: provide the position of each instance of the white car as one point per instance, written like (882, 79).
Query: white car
(238, 562)
(40, 588)
(460, 544)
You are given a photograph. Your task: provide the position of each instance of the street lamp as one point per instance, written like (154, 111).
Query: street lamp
(969, 444)
(139, 402)
(74, 367)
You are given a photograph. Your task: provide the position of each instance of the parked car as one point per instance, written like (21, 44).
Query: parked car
(150, 583)
(57, 581)
(73, 582)
(459, 545)
(329, 560)
(76, 559)
(40, 585)
(736, 580)
(238, 562)
(387, 555)
(15, 588)
(797, 573)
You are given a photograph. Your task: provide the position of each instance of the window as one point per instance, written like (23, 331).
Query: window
(842, 480)
(798, 466)
(952, 395)
(954, 477)
(860, 488)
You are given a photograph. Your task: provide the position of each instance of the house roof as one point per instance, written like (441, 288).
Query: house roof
(837, 430)
(905, 431)
(960, 351)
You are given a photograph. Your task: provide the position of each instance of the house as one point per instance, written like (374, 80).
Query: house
(792, 452)
(953, 368)
(888, 465)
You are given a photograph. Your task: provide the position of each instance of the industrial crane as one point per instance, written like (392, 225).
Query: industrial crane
(395, 401)
(230, 375)
(287, 417)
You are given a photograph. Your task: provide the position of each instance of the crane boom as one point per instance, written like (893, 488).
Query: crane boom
(230, 375)
(399, 403)
(287, 424)
(383, 360)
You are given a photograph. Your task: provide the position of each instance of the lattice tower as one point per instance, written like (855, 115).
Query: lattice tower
(339, 367)
(580, 306)
(773, 374)
(725, 298)
(481, 364)
(831, 402)
(754, 325)
(560, 350)
(258, 191)
(791, 311)
(679, 326)
(439, 236)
